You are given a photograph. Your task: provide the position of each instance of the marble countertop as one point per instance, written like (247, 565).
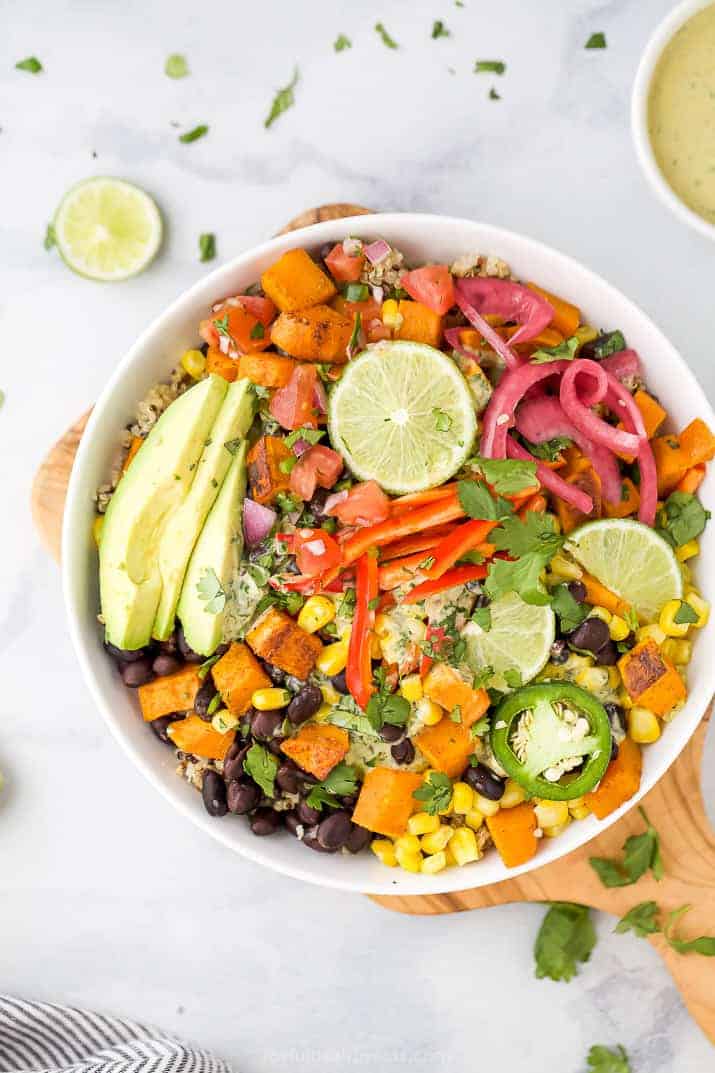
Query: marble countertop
(108, 898)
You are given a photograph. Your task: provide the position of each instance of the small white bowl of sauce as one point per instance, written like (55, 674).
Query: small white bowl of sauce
(673, 113)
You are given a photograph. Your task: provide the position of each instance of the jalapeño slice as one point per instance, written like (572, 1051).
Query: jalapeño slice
(553, 738)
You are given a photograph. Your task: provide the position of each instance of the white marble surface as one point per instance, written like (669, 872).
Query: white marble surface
(106, 897)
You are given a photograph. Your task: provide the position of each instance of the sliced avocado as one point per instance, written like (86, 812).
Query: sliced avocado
(155, 484)
(183, 527)
(214, 563)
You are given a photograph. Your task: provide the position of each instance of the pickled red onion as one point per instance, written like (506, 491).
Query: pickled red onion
(577, 403)
(499, 415)
(570, 493)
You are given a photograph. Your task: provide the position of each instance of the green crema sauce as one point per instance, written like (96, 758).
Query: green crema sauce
(681, 113)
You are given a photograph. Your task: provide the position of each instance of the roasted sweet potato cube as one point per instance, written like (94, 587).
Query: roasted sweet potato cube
(446, 745)
(317, 748)
(268, 370)
(419, 323)
(386, 803)
(650, 678)
(237, 675)
(221, 365)
(172, 693)
(315, 334)
(698, 442)
(277, 639)
(671, 462)
(265, 477)
(195, 735)
(445, 686)
(652, 412)
(620, 781)
(629, 503)
(513, 832)
(295, 282)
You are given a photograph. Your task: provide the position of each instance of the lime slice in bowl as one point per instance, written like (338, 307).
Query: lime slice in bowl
(519, 641)
(402, 415)
(107, 229)
(631, 560)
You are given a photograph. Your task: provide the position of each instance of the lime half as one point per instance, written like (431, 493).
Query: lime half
(631, 560)
(519, 640)
(107, 229)
(402, 415)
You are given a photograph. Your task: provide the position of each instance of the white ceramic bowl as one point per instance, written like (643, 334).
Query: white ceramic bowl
(662, 34)
(151, 358)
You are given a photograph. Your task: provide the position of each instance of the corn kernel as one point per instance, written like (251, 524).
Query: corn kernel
(391, 315)
(614, 677)
(462, 798)
(436, 862)
(700, 607)
(436, 840)
(428, 712)
(474, 819)
(316, 612)
(421, 823)
(513, 795)
(624, 699)
(193, 363)
(463, 846)
(580, 812)
(411, 862)
(551, 813)
(557, 829)
(561, 567)
(375, 646)
(330, 694)
(333, 659)
(408, 843)
(678, 652)
(485, 805)
(618, 628)
(384, 851)
(223, 721)
(97, 528)
(643, 725)
(411, 688)
(647, 632)
(449, 857)
(594, 679)
(266, 700)
(667, 623)
(600, 612)
(687, 551)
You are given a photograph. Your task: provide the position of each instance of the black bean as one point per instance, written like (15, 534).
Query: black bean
(338, 682)
(137, 674)
(616, 717)
(159, 726)
(590, 636)
(164, 664)
(204, 696)
(265, 821)
(608, 655)
(274, 746)
(403, 752)
(559, 652)
(577, 590)
(213, 791)
(334, 830)
(305, 704)
(391, 733)
(276, 675)
(292, 822)
(307, 814)
(169, 647)
(485, 782)
(242, 797)
(359, 838)
(349, 801)
(316, 506)
(186, 651)
(287, 778)
(264, 725)
(310, 839)
(125, 655)
(233, 762)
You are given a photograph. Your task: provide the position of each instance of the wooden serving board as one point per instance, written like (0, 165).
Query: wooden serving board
(674, 806)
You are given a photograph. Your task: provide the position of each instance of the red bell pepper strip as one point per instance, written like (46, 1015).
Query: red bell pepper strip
(421, 499)
(398, 571)
(435, 637)
(445, 510)
(460, 575)
(358, 673)
(419, 542)
(463, 539)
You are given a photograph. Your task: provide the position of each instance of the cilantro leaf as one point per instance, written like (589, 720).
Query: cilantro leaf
(535, 535)
(283, 100)
(342, 42)
(493, 95)
(512, 677)
(640, 853)
(496, 67)
(214, 704)
(685, 614)
(682, 518)
(207, 246)
(565, 351)
(207, 665)
(508, 476)
(571, 613)
(435, 793)
(194, 134)
(341, 781)
(597, 40)
(386, 39)
(566, 937)
(31, 64)
(478, 502)
(442, 420)
(176, 66)
(439, 29)
(310, 435)
(262, 767)
(604, 344)
(605, 1060)
(549, 450)
(641, 919)
(703, 944)
(482, 617)
(210, 591)
(522, 577)
(387, 708)
(50, 239)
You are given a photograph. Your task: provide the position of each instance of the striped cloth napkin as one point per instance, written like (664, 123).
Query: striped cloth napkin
(42, 1036)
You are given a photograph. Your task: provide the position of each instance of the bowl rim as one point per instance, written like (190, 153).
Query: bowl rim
(72, 534)
(657, 42)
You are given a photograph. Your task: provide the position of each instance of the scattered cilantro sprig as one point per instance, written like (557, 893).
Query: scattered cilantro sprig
(207, 246)
(495, 67)
(565, 939)
(640, 853)
(341, 43)
(194, 134)
(176, 66)
(596, 40)
(435, 793)
(681, 518)
(565, 351)
(605, 1060)
(388, 41)
(644, 919)
(32, 65)
(531, 544)
(211, 592)
(283, 100)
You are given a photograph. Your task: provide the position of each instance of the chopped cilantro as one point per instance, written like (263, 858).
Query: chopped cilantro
(604, 344)
(194, 134)
(262, 767)
(207, 246)
(565, 351)
(258, 331)
(385, 707)
(549, 450)
(508, 476)
(597, 40)
(493, 95)
(31, 64)
(386, 39)
(681, 518)
(435, 793)
(283, 100)
(341, 43)
(442, 420)
(50, 239)
(496, 67)
(210, 591)
(310, 435)
(571, 613)
(439, 29)
(531, 543)
(176, 66)
(685, 614)
(512, 677)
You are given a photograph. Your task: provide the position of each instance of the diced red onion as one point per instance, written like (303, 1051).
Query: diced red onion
(578, 400)
(334, 499)
(624, 364)
(315, 547)
(499, 415)
(570, 493)
(377, 294)
(224, 343)
(320, 399)
(352, 247)
(257, 522)
(300, 447)
(377, 251)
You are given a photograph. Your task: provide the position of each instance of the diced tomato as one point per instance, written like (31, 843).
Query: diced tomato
(345, 267)
(293, 406)
(315, 551)
(366, 504)
(242, 320)
(432, 285)
(318, 466)
(368, 310)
